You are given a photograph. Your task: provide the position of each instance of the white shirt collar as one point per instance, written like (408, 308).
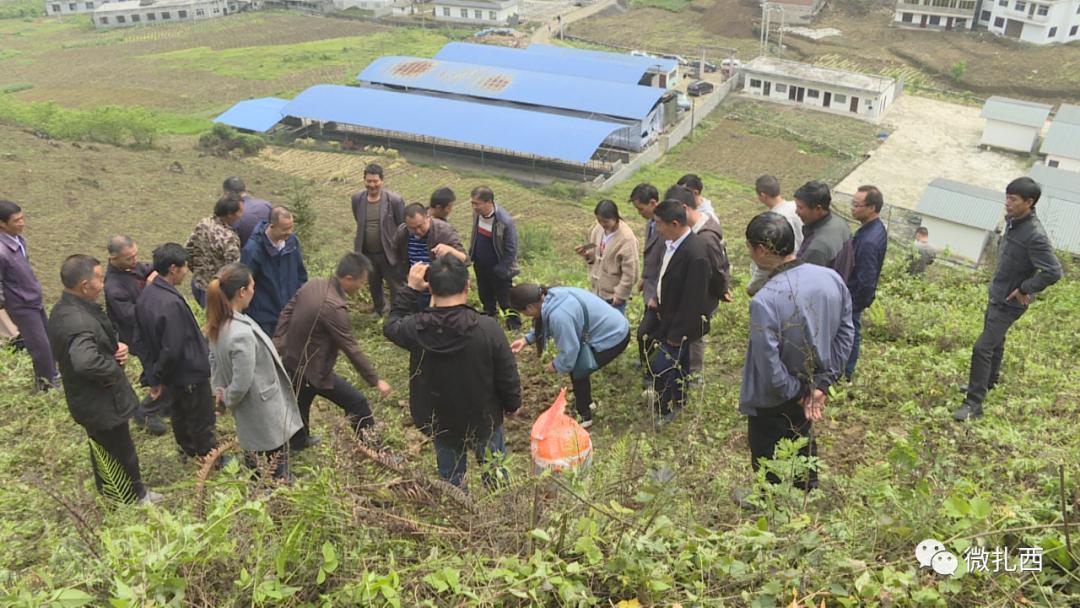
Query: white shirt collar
(673, 246)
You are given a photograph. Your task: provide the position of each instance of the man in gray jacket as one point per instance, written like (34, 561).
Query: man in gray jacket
(378, 213)
(826, 236)
(1026, 266)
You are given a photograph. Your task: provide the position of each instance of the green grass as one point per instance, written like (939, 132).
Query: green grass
(675, 6)
(270, 62)
(20, 9)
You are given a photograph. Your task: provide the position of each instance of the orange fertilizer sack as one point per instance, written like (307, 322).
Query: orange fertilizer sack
(558, 442)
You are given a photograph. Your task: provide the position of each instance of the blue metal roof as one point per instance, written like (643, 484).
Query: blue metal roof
(520, 131)
(520, 59)
(258, 115)
(645, 63)
(537, 88)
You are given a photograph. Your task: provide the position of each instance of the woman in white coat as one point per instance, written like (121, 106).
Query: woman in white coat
(246, 373)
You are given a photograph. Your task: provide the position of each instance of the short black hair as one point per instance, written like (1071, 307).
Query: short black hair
(671, 210)
(773, 231)
(1024, 187)
(767, 185)
(874, 197)
(8, 209)
(608, 210)
(226, 206)
(414, 209)
(234, 185)
(167, 256)
(447, 276)
(373, 169)
(483, 193)
(683, 194)
(922, 231)
(815, 194)
(442, 197)
(692, 182)
(353, 265)
(644, 193)
(76, 269)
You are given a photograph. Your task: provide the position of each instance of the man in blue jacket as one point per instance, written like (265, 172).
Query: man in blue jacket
(277, 265)
(869, 245)
(493, 251)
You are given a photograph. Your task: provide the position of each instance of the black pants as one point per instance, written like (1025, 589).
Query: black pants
(342, 394)
(117, 442)
(381, 271)
(193, 418)
(646, 345)
(765, 430)
(989, 349)
(583, 386)
(279, 457)
(495, 294)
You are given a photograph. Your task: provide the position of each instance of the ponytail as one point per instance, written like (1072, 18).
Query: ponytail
(521, 296)
(219, 295)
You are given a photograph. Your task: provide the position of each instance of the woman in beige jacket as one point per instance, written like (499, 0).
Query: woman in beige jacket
(612, 256)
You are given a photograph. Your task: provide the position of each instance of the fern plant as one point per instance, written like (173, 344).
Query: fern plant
(113, 481)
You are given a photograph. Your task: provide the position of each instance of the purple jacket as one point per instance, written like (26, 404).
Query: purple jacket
(256, 211)
(19, 288)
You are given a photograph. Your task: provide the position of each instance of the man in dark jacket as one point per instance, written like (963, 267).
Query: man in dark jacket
(312, 329)
(1026, 266)
(826, 236)
(493, 251)
(645, 198)
(446, 343)
(175, 355)
(277, 265)
(683, 305)
(423, 238)
(256, 210)
(124, 281)
(20, 295)
(868, 246)
(378, 213)
(98, 393)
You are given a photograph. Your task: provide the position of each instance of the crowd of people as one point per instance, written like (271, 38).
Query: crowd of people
(273, 334)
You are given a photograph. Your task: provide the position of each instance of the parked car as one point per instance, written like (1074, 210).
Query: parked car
(699, 88)
(709, 67)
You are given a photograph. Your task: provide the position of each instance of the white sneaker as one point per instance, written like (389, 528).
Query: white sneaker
(151, 498)
(592, 406)
(585, 424)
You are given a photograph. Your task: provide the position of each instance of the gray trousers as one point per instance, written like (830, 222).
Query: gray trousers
(382, 271)
(989, 349)
(697, 355)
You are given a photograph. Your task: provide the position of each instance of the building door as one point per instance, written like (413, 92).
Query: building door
(826, 100)
(854, 104)
(1014, 28)
(766, 87)
(663, 81)
(948, 24)
(923, 22)
(796, 93)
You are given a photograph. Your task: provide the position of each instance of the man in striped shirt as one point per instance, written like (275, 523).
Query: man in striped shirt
(421, 239)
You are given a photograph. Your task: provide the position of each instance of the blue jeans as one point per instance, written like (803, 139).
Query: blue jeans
(670, 365)
(849, 370)
(199, 294)
(620, 307)
(452, 457)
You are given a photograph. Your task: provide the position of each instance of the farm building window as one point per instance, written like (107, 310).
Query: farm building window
(935, 20)
(181, 14)
(813, 93)
(477, 13)
(135, 19)
(906, 18)
(104, 21)
(1020, 6)
(217, 10)
(120, 19)
(755, 83)
(986, 15)
(492, 15)
(839, 98)
(464, 13)
(1003, 2)
(781, 88)
(165, 16)
(1052, 163)
(1072, 31)
(89, 6)
(151, 17)
(73, 7)
(1053, 32)
(56, 8)
(1042, 10)
(446, 11)
(961, 23)
(967, 5)
(999, 22)
(200, 12)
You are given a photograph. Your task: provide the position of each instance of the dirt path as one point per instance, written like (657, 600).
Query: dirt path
(932, 139)
(544, 33)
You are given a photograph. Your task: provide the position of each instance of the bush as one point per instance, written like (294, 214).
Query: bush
(222, 140)
(108, 124)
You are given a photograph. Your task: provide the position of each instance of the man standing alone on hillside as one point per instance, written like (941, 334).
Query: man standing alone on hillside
(869, 246)
(1026, 266)
(768, 193)
(277, 265)
(923, 253)
(256, 210)
(20, 295)
(378, 213)
(826, 236)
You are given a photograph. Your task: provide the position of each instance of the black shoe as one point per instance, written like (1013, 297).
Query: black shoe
(155, 425)
(964, 388)
(968, 412)
(302, 444)
(223, 461)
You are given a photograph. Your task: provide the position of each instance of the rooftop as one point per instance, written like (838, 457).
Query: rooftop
(522, 132)
(1057, 183)
(535, 88)
(962, 204)
(1061, 218)
(485, 4)
(135, 5)
(1063, 136)
(1016, 111)
(813, 73)
(647, 63)
(582, 66)
(259, 115)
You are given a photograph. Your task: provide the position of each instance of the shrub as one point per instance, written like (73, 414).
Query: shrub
(223, 140)
(107, 124)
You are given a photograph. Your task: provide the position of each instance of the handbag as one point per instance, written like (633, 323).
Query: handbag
(586, 357)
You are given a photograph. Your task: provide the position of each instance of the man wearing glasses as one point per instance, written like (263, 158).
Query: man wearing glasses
(869, 244)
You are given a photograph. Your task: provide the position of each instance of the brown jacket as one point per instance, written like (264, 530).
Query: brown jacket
(312, 329)
(614, 273)
(440, 233)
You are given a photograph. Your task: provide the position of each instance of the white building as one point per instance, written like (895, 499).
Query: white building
(960, 217)
(1013, 124)
(126, 13)
(1042, 22)
(837, 91)
(58, 8)
(936, 14)
(479, 12)
(1062, 142)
